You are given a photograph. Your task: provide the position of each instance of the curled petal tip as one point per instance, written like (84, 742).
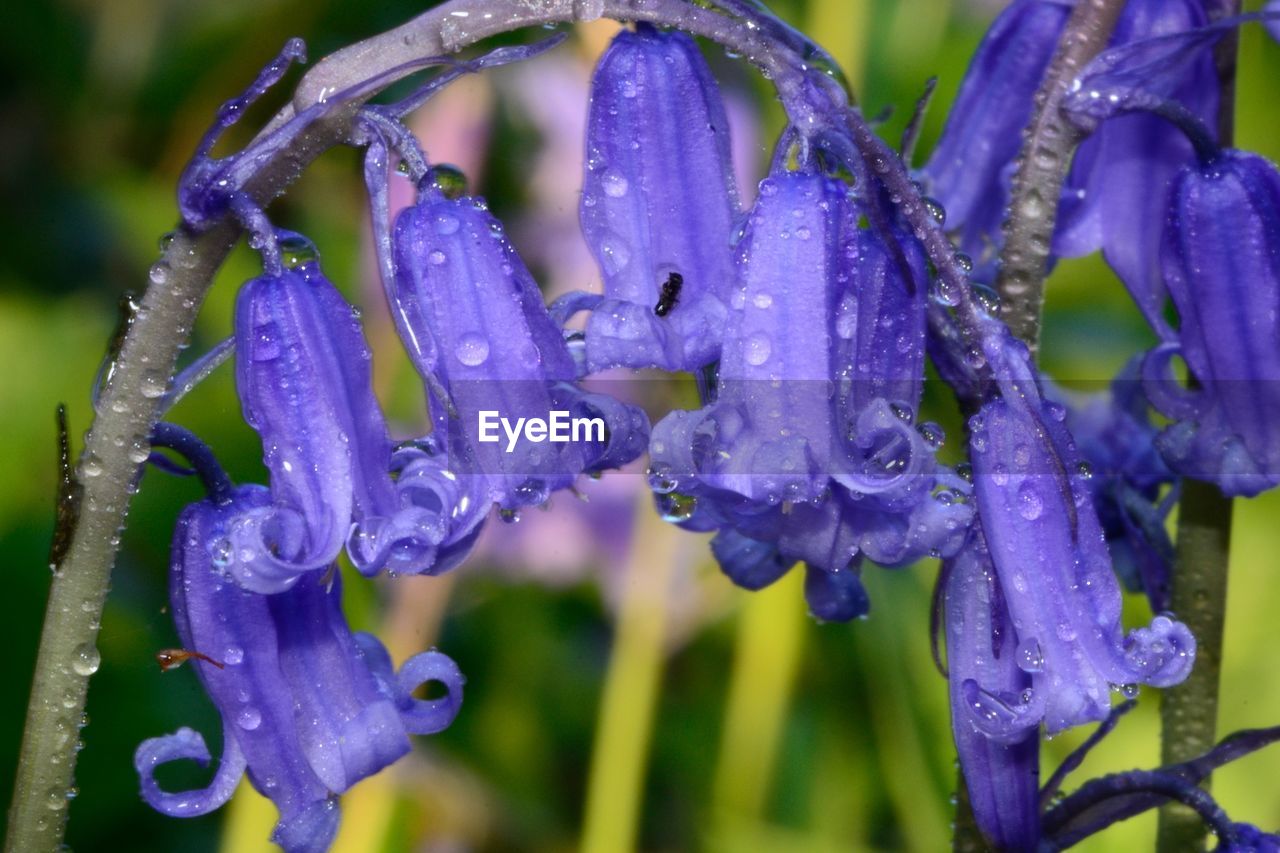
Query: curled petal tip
(425, 717)
(187, 744)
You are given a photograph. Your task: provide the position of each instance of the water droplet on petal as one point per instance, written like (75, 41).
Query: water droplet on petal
(1030, 504)
(472, 349)
(1029, 657)
(758, 348)
(249, 718)
(614, 183)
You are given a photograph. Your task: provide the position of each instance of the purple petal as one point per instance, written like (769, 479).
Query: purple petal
(425, 717)
(749, 563)
(1001, 775)
(969, 169)
(347, 727)
(1054, 570)
(303, 374)
(656, 127)
(1222, 265)
(835, 595)
(1116, 195)
(188, 744)
(235, 627)
(473, 319)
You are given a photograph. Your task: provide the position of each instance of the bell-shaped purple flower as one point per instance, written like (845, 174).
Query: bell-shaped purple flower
(970, 169)
(474, 323)
(1001, 775)
(1116, 196)
(308, 708)
(1051, 559)
(658, 205)
(1221, 261)
(769, 464)
(769, 435)
(303, 375)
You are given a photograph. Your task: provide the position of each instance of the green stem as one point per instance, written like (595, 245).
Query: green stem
(1189, 712)
(1198, 593)
(1042, 168)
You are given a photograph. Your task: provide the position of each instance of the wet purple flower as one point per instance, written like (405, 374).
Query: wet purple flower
(1221, 262)
(474, 323)
(1001, 774)
(1055, 574)
(308, 708)
(655, 131)
(303, 375)
(803, 455)
(1116, 196)
(970, 169)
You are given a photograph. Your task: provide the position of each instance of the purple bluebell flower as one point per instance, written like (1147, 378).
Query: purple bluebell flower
(971, 167)
(655, 131)
(802, 456)
(1221, 261)
(308, 708)
(1125, 473)
(1116, 196)
(473, 321)
(303, 375)
(1055, 574)
(1001, 774)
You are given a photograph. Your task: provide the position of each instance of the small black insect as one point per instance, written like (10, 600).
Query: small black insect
(67, 508)
(670, 294)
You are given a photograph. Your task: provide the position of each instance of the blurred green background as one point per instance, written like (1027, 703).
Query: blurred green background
(607, 683)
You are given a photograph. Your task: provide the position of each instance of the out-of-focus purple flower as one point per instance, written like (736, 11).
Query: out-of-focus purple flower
(1116, 196)
(1273, 24)
(655, 130)
(1001, 774)
(473, 321)
(1055, 573)
(303, 375)
(1117, 441)
(970, 169)
(801, 456)
(1221, 261)
(308, 708)
(1250, 839)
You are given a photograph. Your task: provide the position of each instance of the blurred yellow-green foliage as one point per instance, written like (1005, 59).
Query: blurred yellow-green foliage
(641, 689)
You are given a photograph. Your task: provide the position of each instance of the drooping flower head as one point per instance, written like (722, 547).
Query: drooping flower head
(1221, 262)
(658, 205)
(308, 708)
(800, 456)
(474, 323)
(1053, 567)
(303, 376)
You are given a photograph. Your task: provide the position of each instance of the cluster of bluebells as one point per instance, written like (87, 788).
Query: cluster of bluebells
(806, 318)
